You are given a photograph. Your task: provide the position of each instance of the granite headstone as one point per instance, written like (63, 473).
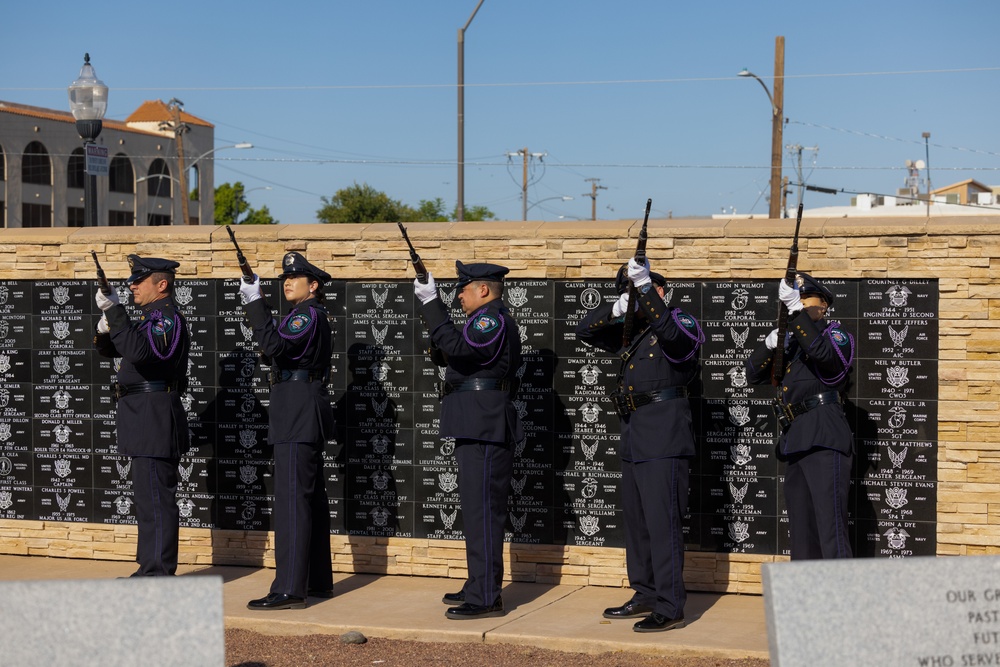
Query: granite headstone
(938, 612)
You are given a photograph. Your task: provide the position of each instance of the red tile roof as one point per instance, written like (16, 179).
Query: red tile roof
(154, 111)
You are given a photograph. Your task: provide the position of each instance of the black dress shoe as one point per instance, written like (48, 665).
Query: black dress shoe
(630, 609)
(325, 594)
(277, 601)
(658, 623)
(467, 610)
(454, 598)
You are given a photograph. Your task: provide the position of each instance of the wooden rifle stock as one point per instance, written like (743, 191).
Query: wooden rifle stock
(102, 280)
(633, 293)
(418, 264)
(240, 259)
(778, 365)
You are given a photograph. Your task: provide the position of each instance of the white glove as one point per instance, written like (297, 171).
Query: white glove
(621, 305)
(426, 292)
(789, 296)
(772, 339)
(105, 301)
(638, 273)
(250, 291)
(102, 325)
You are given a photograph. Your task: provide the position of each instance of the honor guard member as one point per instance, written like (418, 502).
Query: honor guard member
(151, 422)
(482, 357)
(657, 440)
(300, 423)
(816, 440)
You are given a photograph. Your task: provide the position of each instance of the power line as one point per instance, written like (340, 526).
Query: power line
(524, 84)
(872, 135)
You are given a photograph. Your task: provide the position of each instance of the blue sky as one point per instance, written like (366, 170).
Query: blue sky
(641, 95)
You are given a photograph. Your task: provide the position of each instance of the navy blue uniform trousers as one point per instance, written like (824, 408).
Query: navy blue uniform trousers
(817, 484)
(154, 487)
(484, 472)
(655, 496)
(301, 521)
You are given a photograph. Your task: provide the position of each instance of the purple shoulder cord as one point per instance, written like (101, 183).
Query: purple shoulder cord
(157, 316)
(836, 348)
(698, 337)
(465, 334)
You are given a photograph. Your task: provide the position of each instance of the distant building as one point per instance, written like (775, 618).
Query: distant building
(42, 169)
(968, 197)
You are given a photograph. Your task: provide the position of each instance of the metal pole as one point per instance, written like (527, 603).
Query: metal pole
(524, 188)
(460, 204)
(89, 192)
(927, 163)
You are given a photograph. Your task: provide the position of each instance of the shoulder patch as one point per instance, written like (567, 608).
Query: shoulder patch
(686, 320)
(839, 337)
(485, 323)
(162, 326)
(300, 322)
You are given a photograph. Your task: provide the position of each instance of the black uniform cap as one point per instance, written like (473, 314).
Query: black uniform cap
(144, 266)
(468, 273)
(809, 285)
(622, 282)
(295, 264)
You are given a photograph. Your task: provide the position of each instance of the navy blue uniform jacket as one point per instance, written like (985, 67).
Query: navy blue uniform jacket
(154, 348)
(666, 356)
(489, 347)
(298, 411)
(818, 359)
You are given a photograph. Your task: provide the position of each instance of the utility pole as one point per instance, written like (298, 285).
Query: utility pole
(594, 187)
(179, 128)
(524, 153)
(777, 124)
(927, 155)
(796, 150)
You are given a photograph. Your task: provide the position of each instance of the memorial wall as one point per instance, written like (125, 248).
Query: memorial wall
(393, 482)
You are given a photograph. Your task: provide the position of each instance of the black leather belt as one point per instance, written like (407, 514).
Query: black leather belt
(118, 390)
(298, 375)
(787, 412)
(476, 384)
(629, 403)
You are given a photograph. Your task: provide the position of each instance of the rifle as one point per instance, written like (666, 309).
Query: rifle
(633, 292)
(240, 259)
(418, 264)
(778, 364)
(102, 280)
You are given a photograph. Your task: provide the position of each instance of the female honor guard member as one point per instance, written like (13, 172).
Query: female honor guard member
(477, 410)
(657, 441)
(300, 423)
(816, 439)
(152, 424)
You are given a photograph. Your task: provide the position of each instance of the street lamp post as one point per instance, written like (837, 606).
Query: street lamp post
(88, 102)
(561, 198)
(927, 155)
(460, 205)
(777, 122)
(241, 196)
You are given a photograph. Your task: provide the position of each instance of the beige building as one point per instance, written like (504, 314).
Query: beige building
(42, 168)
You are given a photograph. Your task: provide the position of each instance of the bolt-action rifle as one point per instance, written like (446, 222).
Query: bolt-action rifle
(248, 278)
(778, 364)
(102, 280)
(418, 264)
(633, 292)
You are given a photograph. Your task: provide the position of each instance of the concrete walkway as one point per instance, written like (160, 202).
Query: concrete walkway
(564, 618)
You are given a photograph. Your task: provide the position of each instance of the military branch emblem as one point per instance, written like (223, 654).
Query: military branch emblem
(6, 466)
(4, 363)
(898, 296)
(895, 497)
(61, 398)
(589, 490)
(62, 433)
(739, 338)
(896, 538)
(521, 407)
(897, 376)
(898, 417)
(380, 443)
(183, 294)
(381, 479)
(522, 331)
(6, 500)
(4, 293)
(590, 298)
(248, 438)
(185, 473)
(518, 486)
(248, 473)
(448, 519)
(60, 329)
(5, 432)
(186, 507)
(518, 522)
(897, 458)
(739, 531)
(589, 525)
(124, 469)
(63, 502)
(739, 414)
(447, 446)
(4, 328)
(380, 516)
(740, 454)
(899, 337)
(63, 468)
(737, 376)
(4, 397)
(590, 412)
(589, 450)
(379, 407)
(380, 299)
(124, 293)
(448, 481)
(738, 492)
(590, 374)
(249, 510)
(379, 334)
(60, 364)
(517, 296)
(60, 295)
(123, 503)
(740, 298)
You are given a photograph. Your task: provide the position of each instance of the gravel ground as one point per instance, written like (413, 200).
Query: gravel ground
(250, 649)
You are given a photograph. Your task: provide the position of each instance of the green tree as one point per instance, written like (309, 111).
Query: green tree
(474, 214)
(231, 207)
(431, 211)
(362, 203)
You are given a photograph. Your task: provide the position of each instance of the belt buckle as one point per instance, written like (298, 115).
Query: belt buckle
(621, 403)
(783, 413)
(630, 402)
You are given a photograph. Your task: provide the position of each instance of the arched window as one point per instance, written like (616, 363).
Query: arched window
(74, 170)
(159, 179)
(121, 178)
(36, 166)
